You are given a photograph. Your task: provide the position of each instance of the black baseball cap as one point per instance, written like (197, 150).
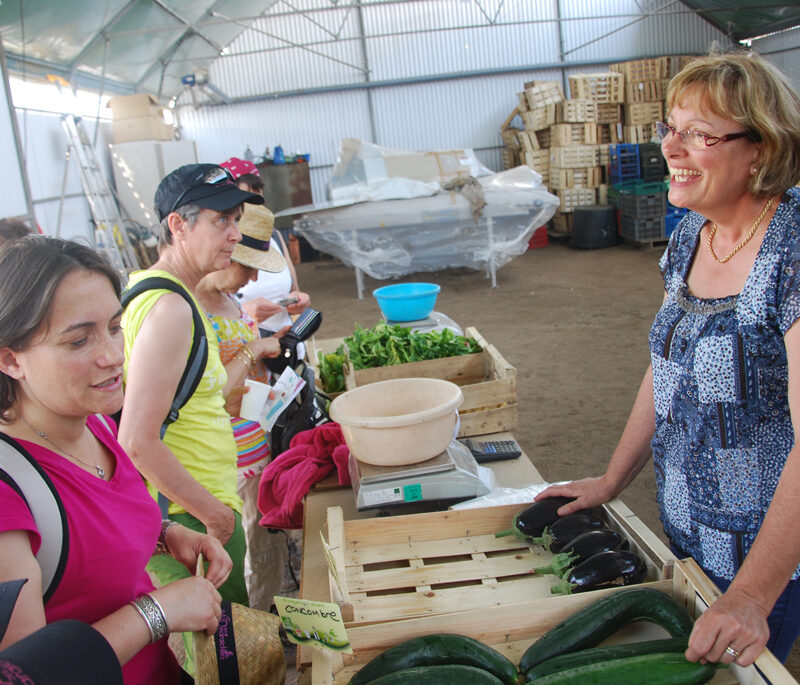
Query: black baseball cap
(206, 185)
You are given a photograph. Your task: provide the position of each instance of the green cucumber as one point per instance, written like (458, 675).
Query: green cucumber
(595, 622)
(653, 669)
(597, 654)
(436, 650)
(446, 674)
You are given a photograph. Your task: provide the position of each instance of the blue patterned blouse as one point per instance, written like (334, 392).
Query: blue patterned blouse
(723, 429)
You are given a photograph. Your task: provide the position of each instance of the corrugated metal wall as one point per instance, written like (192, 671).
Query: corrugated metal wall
(415, 44)
(783, 50)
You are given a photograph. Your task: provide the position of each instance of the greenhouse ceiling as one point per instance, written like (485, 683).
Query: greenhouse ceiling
(165, 46)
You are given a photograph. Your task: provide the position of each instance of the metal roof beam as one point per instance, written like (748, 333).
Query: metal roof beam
(296, 45)
(73, 65)
(190, 27)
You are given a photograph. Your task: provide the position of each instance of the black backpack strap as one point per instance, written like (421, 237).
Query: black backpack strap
(24, 474)
(198, 354)
(9, 591)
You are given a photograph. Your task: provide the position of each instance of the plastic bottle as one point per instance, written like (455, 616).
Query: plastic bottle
(277, 155)
(248, 154)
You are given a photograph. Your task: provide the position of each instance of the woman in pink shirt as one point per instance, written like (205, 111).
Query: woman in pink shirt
(61, 357)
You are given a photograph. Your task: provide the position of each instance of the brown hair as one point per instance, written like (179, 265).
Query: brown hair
(11, 229)
(31, 269)
(747, 89)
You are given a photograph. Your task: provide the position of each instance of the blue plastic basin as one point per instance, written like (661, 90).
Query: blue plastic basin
(407, 301)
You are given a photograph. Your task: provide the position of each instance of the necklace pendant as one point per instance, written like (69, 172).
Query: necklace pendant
(100, 471)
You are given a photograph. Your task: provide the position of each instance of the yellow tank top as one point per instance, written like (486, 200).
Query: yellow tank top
(202, 437)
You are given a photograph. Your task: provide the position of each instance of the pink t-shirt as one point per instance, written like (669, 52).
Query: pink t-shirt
(113, 529)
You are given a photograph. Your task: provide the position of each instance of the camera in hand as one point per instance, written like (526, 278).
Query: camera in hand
(302, 329)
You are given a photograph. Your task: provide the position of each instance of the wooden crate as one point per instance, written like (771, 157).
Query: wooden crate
(538, 118)
(609, 112)
(510, 138)
(523, 101)
(576, 111)
(639, 69)
(488, 381)
(561, 179)
(573, 157)
(530, 143)
(602, 87)
(425, 564)
(643, 91)
(566, 135)
(576, 197)
(562, 223)
(511, 629)
(637, 134)
(542, 93)
(640, 113)
(539, 160)
(672, 64)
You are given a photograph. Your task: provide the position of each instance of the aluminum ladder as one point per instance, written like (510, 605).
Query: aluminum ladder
(110, 235)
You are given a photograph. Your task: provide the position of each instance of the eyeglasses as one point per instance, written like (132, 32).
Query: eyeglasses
(212, 177)
(697, 140)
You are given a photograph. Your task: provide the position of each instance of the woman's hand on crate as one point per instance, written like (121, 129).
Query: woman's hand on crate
(735, 620)
(588, 493)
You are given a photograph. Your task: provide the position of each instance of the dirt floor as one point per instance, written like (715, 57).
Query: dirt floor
(574, 323)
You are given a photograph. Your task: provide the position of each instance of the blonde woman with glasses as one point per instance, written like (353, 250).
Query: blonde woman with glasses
(720, 403)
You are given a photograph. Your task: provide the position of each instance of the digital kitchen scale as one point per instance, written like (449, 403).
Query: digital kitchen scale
(452, 475)
(435, 321)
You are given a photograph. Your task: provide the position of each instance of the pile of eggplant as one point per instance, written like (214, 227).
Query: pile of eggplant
(587, 555)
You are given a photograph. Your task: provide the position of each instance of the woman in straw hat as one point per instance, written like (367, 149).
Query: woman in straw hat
(61, 358)
(262, 297)
(239, 340)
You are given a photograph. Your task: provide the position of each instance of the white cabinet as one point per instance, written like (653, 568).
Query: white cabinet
(139, 168)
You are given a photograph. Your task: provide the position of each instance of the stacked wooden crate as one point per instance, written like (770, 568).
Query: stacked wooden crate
(644, 98)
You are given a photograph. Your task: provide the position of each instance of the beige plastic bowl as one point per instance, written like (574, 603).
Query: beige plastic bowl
(399, 421)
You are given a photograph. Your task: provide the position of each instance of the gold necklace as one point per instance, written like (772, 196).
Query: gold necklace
(742, 242)
(100, 470)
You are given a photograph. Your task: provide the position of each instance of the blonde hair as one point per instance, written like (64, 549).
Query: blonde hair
(749, 90)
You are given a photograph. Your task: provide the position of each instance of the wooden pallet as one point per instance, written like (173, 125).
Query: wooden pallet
(426, 564)
(511, 629)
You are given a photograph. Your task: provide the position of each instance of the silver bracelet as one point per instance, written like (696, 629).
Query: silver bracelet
(161, 545)
(153, 615)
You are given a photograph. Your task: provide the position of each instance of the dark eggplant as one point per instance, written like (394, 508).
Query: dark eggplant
(531, 522)
(564, 530)
(582, 547)
(602, 570)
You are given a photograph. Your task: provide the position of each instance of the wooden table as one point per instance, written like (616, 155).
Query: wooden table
(514, 473)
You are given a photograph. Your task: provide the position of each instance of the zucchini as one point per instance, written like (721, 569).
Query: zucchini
(435, 650)
(607, 653)
(595, 622)
(446, 674)
(653, 669)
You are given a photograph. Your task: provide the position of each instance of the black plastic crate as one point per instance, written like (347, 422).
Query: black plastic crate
(649, 206)
(642, 230)
(653, 166)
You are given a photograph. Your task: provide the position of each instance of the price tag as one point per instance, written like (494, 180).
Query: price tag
(319, 624)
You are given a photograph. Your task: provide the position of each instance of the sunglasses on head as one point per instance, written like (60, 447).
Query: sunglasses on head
(217, 176)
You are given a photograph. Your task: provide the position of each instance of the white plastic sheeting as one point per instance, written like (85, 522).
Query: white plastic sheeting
(392, 238)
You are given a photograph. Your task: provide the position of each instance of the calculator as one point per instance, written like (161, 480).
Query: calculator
(494, 450)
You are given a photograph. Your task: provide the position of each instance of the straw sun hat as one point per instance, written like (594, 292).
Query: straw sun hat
(256, 249)
(245, 650)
